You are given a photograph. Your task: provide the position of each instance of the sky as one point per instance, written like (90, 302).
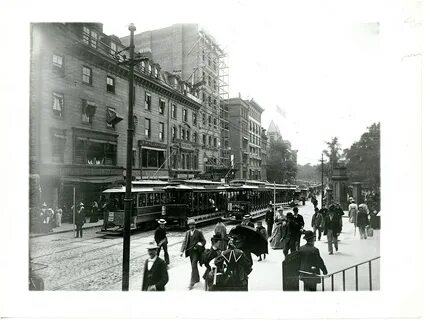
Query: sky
(320, 62)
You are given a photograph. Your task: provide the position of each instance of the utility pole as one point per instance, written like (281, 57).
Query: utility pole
(321, 199)
(128, 200)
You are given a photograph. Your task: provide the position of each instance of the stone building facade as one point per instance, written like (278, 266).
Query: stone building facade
(79, 109)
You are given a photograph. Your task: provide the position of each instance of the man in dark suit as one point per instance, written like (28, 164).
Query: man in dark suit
(155, 275)
(296, 228)
(209, 255)
(332, 229)
(193, 246)
(310, 262)
(269, 220)
(161, 239)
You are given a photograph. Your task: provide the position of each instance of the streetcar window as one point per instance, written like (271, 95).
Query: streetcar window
(142, 200)
(150, 199)
(157, 200)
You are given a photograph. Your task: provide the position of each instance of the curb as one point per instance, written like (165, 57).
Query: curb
(37, 235)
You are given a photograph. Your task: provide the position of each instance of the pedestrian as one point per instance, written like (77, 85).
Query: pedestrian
(261, 230)
(246, 221)
(332, 229)
(80, 219)
(296, 227)
(58, 217)
(209, 255)
(221, 231)
(317, 222)
(310, 262)
(50, 222)
(193, 246)
(339, 212)
(352, 211)
(155, 274)
(41, 218)
(269, 220)
(234, 267)
(161, 239)
(94, 212)
(277, 240)
(362, 221)
(289, 241)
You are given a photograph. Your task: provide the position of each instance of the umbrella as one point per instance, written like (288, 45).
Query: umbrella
(251, 240)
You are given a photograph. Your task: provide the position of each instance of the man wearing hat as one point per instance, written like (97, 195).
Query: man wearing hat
(247, 221)
(310, 262)
(155, 274)
(161, 239)
(296, 228)
(193, 246)
(209, 255)
(332, 229)
(80, 219)
(269, 219)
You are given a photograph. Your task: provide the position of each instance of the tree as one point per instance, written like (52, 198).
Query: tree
(308, 172)
(281, 165)
(333, 153)
(364, 157)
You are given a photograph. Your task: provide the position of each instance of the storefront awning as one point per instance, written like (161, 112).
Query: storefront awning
(91, 179)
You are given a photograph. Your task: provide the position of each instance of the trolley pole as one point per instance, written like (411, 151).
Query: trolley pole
(128, 199)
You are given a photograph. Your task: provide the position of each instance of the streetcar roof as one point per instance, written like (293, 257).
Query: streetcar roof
(133, 190)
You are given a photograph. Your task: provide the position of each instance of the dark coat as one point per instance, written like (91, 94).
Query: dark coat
(311, 261)
(317, 220)
(362, 218)
(190, 243)
(209, 255)
(160, 234)
(295, 226)
(261, 230)
(236, 267)
(269, 216)
(157, 276)
(80, 216)
(333, 224)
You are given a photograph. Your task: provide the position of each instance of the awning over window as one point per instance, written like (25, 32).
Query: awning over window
(112, 117)
(92, 179)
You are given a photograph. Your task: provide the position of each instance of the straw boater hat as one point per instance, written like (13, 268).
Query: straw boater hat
(191, 221)
(152, 246)
(162, 221)
(247, 216)
(81, 204)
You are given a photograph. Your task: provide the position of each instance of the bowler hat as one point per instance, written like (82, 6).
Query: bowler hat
(308, 235)
(152, 246)
(191, 221)
(295, 209)
(162, 221)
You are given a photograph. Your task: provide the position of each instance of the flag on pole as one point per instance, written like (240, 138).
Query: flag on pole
(280, 111)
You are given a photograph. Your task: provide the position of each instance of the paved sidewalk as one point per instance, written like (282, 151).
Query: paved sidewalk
(67, 227)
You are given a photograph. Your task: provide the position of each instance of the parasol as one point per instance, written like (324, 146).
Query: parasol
(251, 240)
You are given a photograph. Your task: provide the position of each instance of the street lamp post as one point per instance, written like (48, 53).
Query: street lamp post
(128, 200)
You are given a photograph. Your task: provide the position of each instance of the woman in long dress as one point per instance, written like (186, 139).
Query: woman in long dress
(276, 241)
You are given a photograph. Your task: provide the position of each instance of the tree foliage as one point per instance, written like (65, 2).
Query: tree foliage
(308, 172)
(333, 153)
(281, 165)
(364, 157)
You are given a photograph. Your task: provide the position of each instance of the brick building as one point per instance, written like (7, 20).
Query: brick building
(78, 116)
(247, 139)
(194, 55)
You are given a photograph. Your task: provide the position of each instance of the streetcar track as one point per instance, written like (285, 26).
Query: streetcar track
(108, 268)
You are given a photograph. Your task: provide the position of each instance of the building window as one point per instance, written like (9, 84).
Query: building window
(148, 101)
(161, 131)
(87, 75)
(195, 137)
(135, 124)
(204, 139)
(95, 152)
(113, 48)
(147, 127)
(209, 121)
(110, 84)
(215, 142)
(209, 140)
(150, 69)
(185, 115)
(156, 73)
(57, 61)
(58, 104)
(143, 66)
(58, 147)
(195, 118)
(188, 135)
(174, 111)
(174, 132)
(204, 119)
(215, 123)
(204, 97)
(152, 158)
(161, 106)
(90, 37)
(88, 110)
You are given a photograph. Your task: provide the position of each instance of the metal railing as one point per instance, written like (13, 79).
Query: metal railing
(305, 275)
